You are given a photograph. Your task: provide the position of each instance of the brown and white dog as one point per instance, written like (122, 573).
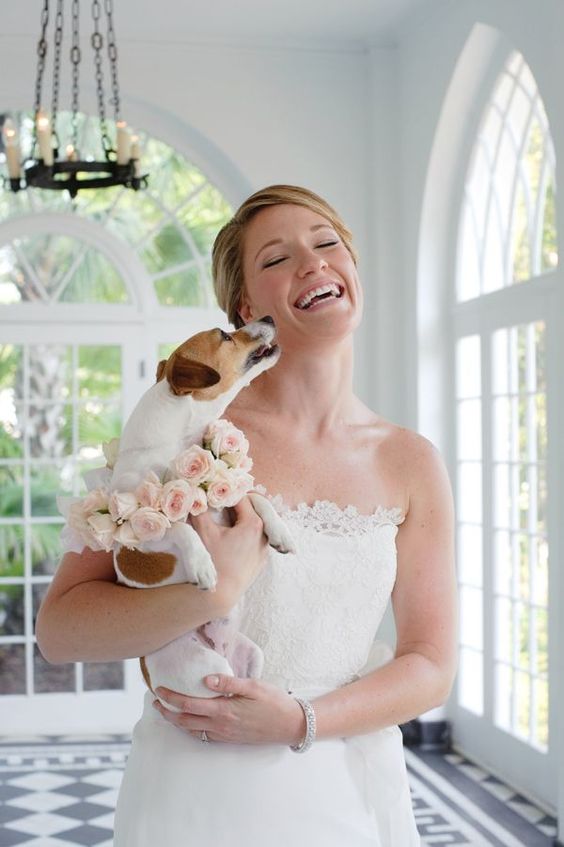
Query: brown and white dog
(194, 387)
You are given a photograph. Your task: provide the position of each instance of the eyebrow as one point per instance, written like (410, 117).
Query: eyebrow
(280, 240)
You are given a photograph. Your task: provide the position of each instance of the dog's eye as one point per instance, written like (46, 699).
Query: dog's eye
(225, 336)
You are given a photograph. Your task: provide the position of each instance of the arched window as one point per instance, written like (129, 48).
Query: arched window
(507, 247)
(90, 289)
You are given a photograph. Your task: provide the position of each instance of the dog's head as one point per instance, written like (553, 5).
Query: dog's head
(211, 362)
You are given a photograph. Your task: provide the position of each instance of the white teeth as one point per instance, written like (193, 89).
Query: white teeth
(324, 289)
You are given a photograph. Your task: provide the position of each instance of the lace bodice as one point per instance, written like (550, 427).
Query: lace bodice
(315, 614)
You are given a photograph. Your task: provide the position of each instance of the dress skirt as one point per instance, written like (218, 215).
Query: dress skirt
(178, 791)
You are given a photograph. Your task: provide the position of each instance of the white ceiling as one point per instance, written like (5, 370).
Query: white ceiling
(330, 23)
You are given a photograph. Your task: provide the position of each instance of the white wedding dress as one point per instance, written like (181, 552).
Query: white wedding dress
(315, 615)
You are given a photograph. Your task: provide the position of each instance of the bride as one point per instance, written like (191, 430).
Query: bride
(370, 507)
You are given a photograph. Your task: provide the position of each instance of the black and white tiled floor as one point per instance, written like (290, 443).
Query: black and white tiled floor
(61, 792)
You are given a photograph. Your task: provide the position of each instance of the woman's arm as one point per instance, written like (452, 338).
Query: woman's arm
(418, 678)
(87, 616)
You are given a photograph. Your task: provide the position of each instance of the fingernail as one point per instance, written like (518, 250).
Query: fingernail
(213, 681)
(156, 704)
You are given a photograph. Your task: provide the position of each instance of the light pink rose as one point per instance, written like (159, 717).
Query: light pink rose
(223, 490)
(148, 524)
(149, 491)
(243, 480)
(200, 503)
(124, 535)
(222, 437)
(195, 465)
(177, 499)
(77, 522)
(238, 460)
(122, 504)
(96, 501)
(103, 529)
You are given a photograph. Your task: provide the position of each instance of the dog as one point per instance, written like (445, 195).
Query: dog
(194, 387)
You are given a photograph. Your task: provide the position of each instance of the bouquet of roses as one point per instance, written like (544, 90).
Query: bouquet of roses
(214, 475)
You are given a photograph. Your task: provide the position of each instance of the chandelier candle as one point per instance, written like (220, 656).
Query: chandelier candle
(12, 149)
(44, 138)
(123, 143)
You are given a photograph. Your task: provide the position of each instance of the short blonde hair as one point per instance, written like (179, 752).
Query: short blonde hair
(227, 253)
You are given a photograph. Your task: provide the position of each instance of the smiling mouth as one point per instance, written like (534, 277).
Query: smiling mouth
(323, 292)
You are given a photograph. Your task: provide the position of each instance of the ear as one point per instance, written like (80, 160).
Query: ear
(245, 311)
(161, 368)
(188, 375)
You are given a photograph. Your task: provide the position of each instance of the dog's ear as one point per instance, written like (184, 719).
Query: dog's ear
(161, 369)
(189, 375)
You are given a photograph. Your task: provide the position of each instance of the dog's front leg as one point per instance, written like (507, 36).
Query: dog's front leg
(193, 555)
(275, 529)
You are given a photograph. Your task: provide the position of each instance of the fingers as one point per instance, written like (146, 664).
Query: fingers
(201, 706)
(244, 509)
(230, 686)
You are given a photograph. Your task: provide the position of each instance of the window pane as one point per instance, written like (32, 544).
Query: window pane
(45, 548)
(12, 621)
(470, 681)
(469, 555)
(11, 550)
(103, 676)
(51, 678)
(468, 376)
(12, 669)
(11, 491)
(48, 481)
(471, 619)
(470, 492)
(507, 230)
(469, 430)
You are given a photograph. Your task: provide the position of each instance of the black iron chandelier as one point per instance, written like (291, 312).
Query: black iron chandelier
(48, 166)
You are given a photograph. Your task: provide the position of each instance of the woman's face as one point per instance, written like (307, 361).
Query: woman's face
(289, 253)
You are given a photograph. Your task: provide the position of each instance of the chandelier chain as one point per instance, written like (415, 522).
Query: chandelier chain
(97, 42)
(113, 54)
(41, 54)
(75, 57)
(57, 63)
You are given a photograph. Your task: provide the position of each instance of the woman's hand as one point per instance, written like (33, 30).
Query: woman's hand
(248, 712)
(238, 552)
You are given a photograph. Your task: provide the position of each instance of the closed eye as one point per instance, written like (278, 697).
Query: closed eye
(225, 336)
(328, 244)
(273, 262)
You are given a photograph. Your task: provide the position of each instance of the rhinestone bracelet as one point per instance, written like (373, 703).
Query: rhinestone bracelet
(309, 737)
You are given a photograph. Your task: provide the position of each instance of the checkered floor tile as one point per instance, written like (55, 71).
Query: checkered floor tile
(61, 792)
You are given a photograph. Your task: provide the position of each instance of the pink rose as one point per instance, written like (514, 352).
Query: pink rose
(148, 524)
(223, 490)
(78, 524)
(148, 492)
(103, 528)
(96, 501)
(238, 460)
(122, 504)
(222, 437)
(177, 499)
(195, 464)
(200, 503)
(243, 480)
(124, 535)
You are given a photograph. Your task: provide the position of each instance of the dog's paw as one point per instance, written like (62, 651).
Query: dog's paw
(281, 539)
(206, 575)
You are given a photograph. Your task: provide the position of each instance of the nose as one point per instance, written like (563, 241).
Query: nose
(267, 320)
(311, 262)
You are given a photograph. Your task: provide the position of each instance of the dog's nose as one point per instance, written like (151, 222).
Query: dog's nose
(267, 320)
